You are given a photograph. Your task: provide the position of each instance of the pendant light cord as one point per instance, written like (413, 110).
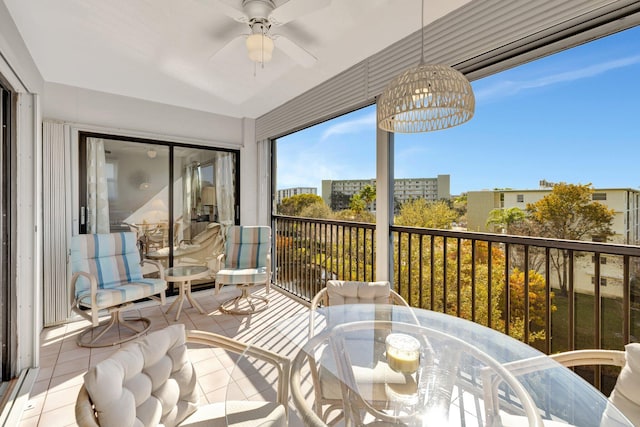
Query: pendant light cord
(422, 34)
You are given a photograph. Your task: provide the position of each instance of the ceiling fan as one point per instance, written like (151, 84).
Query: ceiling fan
(261, 16)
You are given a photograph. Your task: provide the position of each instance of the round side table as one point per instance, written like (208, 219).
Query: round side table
(184, 275)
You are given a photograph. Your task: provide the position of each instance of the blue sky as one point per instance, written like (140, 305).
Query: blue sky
(573, 117)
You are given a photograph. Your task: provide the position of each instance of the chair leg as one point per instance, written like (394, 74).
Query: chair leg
(256, 303)
(92, 336)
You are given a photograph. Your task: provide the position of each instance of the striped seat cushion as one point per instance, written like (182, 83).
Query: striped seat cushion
(242, 276)
(124, 292)
(113, 259)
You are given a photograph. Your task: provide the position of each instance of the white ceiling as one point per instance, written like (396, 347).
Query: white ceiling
(177, 52)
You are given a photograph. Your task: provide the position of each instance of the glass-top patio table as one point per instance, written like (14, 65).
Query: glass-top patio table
(390, 365)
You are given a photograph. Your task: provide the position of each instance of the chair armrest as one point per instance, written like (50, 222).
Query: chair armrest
(93, 283)
(221, 260)
(155, 263)
(283, 364)
(590, 357)
(320, 297)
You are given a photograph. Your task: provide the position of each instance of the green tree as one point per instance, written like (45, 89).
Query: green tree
(505, 219)
(357, 203)
(368, 194)
(295, 204)
(422, 213)
(569, 212)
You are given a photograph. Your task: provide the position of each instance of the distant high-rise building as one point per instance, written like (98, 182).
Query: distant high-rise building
(288, 192)
(337, 193)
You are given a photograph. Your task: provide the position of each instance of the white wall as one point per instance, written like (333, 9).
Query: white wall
(15, 56)
(19, 71)
(81, 106)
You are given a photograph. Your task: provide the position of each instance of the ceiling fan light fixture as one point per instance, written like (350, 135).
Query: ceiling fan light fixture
(260, 48)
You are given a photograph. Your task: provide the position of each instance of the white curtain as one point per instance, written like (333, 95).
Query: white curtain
(264, 181)
(225, 188)
(97, 193)
(190, 190)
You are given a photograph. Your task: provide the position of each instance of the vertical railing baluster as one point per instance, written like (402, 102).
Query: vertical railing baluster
(507, 288)
(473, 280)
(597, 314)
(489, 284)
(458, 270)
(409, 264)
(626, 299)
(527, 327)
(343, 252)
(571, 304)
(420, 272)
(548, 302)
(445, 264)
(432, 281)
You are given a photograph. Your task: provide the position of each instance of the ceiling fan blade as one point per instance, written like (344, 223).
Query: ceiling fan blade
(231, 11)
(294, 51)
(232, 45)
(295, 9)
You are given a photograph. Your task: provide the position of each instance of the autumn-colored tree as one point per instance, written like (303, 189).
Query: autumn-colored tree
(472, 294)
(318, 210)
(357, 216)
(569, 212)
(537, 304)
(422, 213)
(295, 204)
(460, 206)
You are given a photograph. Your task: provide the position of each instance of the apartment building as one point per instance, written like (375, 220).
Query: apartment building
(288, 192)
(626, 226)
(338, 193)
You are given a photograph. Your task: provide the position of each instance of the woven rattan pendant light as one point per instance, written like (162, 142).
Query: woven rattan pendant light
(425, 98)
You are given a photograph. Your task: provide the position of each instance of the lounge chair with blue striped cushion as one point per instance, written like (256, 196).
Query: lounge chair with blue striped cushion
(107, 276)
(245, 263)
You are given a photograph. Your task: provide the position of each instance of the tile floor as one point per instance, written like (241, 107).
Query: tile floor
(63, 363)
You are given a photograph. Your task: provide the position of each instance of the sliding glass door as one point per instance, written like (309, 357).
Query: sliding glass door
(6, 287)
(178, 199)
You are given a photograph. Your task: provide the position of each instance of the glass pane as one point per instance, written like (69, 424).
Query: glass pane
(128, 189)
(204, 189)
(134, 184)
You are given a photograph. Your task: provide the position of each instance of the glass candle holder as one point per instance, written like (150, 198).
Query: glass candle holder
(403, 353)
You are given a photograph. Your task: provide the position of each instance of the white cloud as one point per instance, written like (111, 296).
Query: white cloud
(350, 126)
(508, 88)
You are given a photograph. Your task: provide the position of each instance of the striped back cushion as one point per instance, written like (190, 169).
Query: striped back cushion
(247, 247)
(111, 258)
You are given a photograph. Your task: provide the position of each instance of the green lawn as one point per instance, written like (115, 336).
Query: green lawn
(612, 336)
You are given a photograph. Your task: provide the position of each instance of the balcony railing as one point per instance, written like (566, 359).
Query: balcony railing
(309, 252)
(555, 295)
